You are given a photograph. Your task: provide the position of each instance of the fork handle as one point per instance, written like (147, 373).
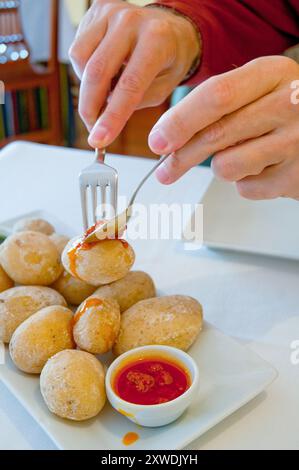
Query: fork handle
(162, 160)
(132, 200)
(100, 155)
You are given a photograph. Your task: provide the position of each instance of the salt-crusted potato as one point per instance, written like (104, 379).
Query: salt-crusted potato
(96, 324)
(135, 286)
(31, 258)
(73, 290)
(40, 337)
(5, 281)
(60, 241)
(100, 262)
(173, 321)
(33, 225)
(72, 384)
(19, 303)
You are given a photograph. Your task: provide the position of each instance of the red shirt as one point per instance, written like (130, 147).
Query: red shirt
(236, 31)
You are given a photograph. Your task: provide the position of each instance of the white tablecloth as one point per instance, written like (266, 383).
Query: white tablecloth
(251, 298)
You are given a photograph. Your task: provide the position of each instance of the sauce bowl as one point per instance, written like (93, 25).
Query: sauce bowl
(157, 414)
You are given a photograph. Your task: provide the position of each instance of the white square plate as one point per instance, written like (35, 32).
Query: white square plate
(262, 227)
(230, 376)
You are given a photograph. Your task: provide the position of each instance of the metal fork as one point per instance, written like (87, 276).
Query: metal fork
(99, 177)
(118, 223)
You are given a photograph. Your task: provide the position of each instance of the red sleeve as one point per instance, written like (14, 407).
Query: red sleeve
(234, 32)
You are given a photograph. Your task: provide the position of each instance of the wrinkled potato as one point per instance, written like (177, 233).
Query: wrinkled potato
(40, 337)
(96, 324)
(33, 225)
(72, 384)
(173, 321)
(60, 241)
(73, 290)
(19, 303)
(100, 262)
(135, 286)
(5, 281)
(31, 258)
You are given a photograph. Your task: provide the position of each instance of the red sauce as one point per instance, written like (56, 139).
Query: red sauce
(151, 381)
(85, 246)
(92, 302)
(130, 438)
(91, 229)
(73, 255)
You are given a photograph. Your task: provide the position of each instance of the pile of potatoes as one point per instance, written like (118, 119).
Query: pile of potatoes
(58, 313)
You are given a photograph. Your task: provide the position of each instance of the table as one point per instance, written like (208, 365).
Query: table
(252, 298)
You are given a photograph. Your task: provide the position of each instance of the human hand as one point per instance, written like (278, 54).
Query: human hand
(157, 47)
(248, 119)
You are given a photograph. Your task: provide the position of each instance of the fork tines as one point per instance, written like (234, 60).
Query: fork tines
(98, 182)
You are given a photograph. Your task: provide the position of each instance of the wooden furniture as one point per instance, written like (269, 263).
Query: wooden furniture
(133, 139)
(19, 74)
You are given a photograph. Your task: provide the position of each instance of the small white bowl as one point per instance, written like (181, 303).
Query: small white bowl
(154, 415)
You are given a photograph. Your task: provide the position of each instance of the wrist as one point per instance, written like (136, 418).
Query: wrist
(192, 41)
(194, 47)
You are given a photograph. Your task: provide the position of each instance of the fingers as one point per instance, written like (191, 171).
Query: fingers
(90, 33)
(103, 65)
(138, 75)
(270, 184)
(159, 91)
(209, 102)
(249, 158)
(80, 53)
(248, 123)
(253, 157)
(232, 164)
(280, 180)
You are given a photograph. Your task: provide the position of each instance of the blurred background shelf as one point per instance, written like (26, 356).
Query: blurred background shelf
(42, 137)
(20, 76)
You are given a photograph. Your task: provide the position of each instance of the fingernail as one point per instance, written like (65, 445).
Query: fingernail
(163, 174)
(98, 136)
(157, 141)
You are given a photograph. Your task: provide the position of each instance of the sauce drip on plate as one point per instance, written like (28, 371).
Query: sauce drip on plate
(130, 438)
(151, 381)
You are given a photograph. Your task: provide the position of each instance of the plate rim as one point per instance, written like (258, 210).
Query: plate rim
(273, 375)
(237, 248)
